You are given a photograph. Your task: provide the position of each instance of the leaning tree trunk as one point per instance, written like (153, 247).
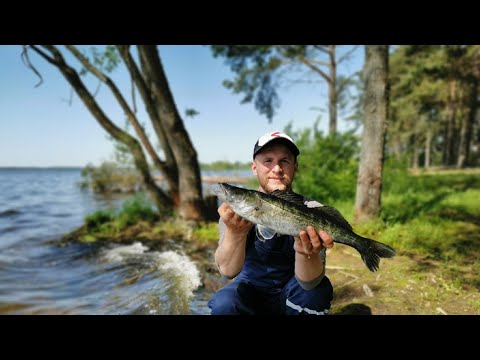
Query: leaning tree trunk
(369, 181)
(191, 199)
(168, 168)
(162, 201)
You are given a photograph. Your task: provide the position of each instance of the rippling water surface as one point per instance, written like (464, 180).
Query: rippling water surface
(39, 277)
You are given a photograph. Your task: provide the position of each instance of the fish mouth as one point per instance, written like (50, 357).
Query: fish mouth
(221, 191)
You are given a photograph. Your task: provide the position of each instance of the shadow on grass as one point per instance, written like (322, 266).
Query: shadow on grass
(458, 213)
(412, 205)
(346, 292)
(410, 208)
(354, 309)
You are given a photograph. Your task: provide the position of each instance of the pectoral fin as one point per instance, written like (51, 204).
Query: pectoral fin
(264, 233)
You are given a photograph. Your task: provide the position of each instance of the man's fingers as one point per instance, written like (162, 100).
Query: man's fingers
(327, 240)
(315, 239)
(222, 208)
(304, 237)
(228, 215)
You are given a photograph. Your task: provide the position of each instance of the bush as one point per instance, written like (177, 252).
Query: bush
(135, 209)
(138, 208)
(110, 177)
(328, 166)
(95, 220)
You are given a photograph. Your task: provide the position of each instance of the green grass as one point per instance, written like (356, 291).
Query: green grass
(109, 223)
(206, 233)
(437, 216)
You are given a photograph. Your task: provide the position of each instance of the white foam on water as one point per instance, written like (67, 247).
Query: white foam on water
(122, 252)
(183, 277)
(171, 261)
(178, 278)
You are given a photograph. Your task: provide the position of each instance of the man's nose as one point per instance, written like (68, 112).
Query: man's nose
(277, 168)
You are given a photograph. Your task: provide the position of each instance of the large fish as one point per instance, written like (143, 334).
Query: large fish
(284, 213)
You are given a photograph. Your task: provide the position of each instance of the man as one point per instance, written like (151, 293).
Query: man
(282, 275)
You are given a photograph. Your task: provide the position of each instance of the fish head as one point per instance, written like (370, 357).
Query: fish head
(230, 193)
(242, 201)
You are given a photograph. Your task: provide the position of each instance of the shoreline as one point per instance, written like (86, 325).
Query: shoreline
(218, 179)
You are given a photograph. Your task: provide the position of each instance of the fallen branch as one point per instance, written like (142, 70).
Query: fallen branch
(367, 290)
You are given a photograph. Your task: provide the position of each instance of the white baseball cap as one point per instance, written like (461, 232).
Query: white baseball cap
(277, 136)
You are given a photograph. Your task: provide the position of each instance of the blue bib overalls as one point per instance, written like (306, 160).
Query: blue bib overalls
(267, 284)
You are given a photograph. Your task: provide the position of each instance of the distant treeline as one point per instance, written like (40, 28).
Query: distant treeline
(226, 165)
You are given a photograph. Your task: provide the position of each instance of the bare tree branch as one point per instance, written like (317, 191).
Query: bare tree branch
(27, 62)
(161, 199)
(347, 54)
(316, 69)
(123, 103)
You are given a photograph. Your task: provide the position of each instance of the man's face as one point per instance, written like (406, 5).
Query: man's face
(275, 168)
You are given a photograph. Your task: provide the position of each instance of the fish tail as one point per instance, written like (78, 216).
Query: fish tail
(376, 250)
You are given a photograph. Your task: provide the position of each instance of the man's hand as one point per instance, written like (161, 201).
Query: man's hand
(230, 254)
(312, 242)
(235, 223)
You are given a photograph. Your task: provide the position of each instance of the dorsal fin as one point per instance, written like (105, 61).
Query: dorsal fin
(299, 199)
(289, 196)
(334, 213)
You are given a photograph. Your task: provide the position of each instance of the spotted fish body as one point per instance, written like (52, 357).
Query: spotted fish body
(285, 213)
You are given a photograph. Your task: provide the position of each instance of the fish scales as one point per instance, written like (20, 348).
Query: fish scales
(284, 213)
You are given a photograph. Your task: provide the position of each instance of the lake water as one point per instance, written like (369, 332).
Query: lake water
(37, 276)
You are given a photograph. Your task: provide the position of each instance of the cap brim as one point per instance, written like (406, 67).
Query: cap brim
(291, 146)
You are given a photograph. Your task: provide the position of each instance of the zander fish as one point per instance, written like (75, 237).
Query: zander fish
(284, 213)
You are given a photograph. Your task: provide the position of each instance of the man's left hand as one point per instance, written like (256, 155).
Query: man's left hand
(312, 242)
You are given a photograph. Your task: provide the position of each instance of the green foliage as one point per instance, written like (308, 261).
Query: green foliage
(206, 233)
(106, 60)
(260, 70)
(407, 196)
(98, 218)
(109, 177)
(350, 99)
(434, 215)
(191, 112)
(137, 208)
(110, 222)
(122, 155)
(431, 85)
(328, 165)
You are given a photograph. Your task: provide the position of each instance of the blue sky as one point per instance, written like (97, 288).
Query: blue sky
(38, 127)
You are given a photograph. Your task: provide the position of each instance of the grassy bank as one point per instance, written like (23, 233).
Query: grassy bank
(433, 221)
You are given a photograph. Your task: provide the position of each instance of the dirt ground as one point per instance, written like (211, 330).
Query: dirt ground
(404, 285)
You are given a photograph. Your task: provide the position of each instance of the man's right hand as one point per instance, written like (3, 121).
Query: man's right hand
(230, 254)
(235, 223)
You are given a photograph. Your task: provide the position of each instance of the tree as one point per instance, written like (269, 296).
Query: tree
(259, 72)
(180, 167)
(434, 102)
(369, 181)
